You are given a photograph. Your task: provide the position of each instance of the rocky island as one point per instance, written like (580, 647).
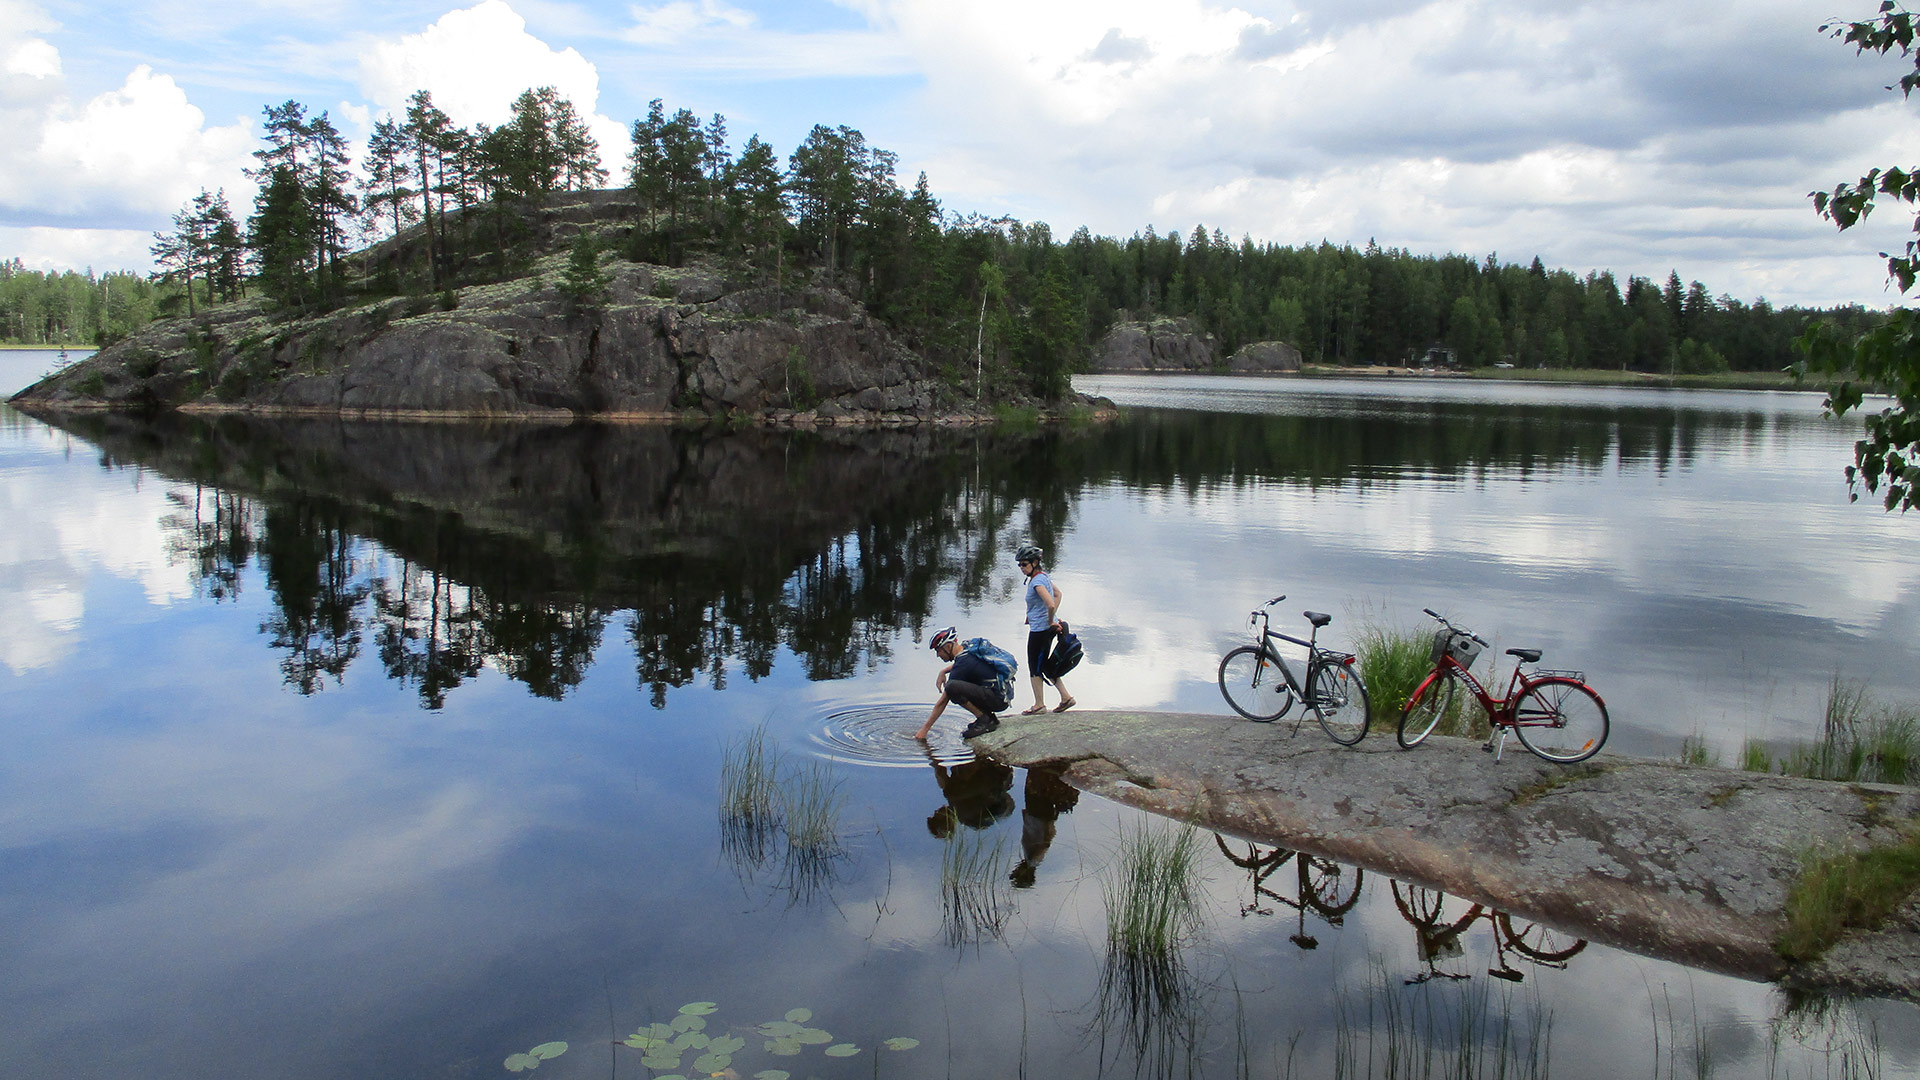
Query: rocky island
(642, 342)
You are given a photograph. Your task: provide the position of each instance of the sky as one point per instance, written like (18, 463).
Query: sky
(1638, 137)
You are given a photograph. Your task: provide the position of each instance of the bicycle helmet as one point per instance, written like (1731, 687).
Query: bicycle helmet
(942, 637)
(1027, 554)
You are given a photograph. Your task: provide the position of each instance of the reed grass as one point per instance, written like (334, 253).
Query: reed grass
(749, 798)
(810, 803)
(976, 896)
(1392, 662)
(1153, 896)
(1862, 740)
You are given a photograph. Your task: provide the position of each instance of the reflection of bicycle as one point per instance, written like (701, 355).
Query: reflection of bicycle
(1260, 686)
(1438, 935)
(1325, 887)
(1555, 713)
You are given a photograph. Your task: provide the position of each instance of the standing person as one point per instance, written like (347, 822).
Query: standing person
(978, 675)
(1043, 600)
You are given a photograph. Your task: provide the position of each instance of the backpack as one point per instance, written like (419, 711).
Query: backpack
(1003, 664)
(1066, 655)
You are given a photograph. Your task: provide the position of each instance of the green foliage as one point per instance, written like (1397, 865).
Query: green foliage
(1392, 663)
(1885, 357)
(1849, 890)
(583, 281)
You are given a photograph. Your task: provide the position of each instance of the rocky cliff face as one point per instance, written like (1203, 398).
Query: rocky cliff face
(1176, 345)
(660, 342)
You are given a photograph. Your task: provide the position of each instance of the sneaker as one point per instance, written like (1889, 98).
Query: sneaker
(981, 727)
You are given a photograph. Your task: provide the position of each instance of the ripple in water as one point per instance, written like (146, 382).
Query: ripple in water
(882, 735)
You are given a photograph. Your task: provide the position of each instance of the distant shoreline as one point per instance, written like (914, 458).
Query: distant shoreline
(1736, 380)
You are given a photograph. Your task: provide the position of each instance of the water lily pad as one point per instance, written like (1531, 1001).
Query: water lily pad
(812, 1037)
(842, 1050)
(548, 1050)
(799, 1016)
(727, 1044)
(692, 1040)
(657, 1061)
(689, 1022)
(712, 1063)
(778, 1029)
(902, 1043)
(522, 1062)
(783, 1047)
(772, 1074)
(698, 1008)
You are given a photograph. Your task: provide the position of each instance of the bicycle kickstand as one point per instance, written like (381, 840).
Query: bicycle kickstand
(1495, 744)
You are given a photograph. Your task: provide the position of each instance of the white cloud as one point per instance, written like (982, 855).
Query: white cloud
(671, 23)
(475, 61)
(125, 156)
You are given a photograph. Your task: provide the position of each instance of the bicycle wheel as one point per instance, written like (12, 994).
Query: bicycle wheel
(1339, 701)
(1560, 720)
(1537, 942)
(1330, 888)
(1433, 702)
(1253, 685)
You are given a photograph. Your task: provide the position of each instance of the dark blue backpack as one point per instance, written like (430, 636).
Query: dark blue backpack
(1066, 654)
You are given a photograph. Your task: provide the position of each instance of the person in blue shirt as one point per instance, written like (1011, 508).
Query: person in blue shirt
(971, 678)
(1043, 601)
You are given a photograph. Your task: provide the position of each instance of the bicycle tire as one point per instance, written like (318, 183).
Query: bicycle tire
(1340, 702)
(1431, 703)
(1330, 888)
(1561, 720)
(1251, 682)
(1537, 942)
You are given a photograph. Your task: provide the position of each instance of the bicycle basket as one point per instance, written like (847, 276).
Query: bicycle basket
(1465, 649)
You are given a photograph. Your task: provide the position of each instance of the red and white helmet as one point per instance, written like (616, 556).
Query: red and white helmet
(942, 637)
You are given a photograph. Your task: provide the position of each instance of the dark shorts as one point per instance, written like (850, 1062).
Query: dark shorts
(1039, 643)
(980, 697)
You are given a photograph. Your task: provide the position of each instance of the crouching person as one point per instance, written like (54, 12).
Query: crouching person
(978, 675)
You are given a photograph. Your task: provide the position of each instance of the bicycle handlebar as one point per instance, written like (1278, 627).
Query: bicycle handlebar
(1442, 619)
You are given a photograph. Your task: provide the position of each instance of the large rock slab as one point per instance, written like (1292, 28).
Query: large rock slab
(1691, 864)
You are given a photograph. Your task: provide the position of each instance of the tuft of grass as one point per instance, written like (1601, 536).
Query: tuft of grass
(1466, 1031)
(1153, 895)
(1695, 751)
(749, 797)
(1845, 891)
(1755, 757)
(1392, 663)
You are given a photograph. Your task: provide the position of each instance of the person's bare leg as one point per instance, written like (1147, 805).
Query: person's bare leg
(1039, 696)
(1066, 699)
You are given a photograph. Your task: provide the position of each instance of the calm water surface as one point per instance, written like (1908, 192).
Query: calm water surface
(390, 750)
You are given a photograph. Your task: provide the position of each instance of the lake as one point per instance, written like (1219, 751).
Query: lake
(397, 750)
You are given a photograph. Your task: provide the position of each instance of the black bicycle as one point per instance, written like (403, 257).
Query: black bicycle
(1260, 686)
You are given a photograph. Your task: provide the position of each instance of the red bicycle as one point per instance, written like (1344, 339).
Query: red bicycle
(1555, 713)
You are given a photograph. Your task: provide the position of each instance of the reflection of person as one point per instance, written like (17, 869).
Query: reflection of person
(1043, 600)
(978, 792)
(969, 678)
(1048, 796)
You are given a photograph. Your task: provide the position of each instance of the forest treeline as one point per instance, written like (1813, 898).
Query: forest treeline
(954, 286)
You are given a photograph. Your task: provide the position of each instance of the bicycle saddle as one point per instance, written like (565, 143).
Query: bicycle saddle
(1527, 656)
(1316, 618)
